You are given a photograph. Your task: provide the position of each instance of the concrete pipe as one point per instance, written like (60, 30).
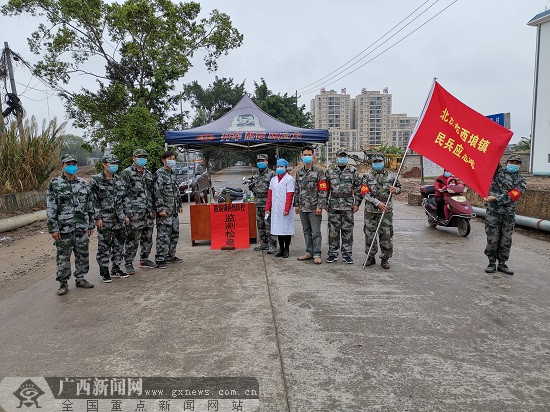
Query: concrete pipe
(15, 222)
(526, 221)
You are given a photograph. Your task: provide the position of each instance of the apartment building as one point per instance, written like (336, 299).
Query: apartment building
(360, 122)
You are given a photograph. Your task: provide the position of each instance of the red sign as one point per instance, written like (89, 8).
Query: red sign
(229, 226)
(461, 140)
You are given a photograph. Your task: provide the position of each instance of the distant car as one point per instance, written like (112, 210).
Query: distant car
(239, 163)
(194, 179)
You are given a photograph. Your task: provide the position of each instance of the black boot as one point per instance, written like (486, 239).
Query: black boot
(491, 267)
(286, 245)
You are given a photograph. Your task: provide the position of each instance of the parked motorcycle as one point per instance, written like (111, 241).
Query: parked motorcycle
(460, 211)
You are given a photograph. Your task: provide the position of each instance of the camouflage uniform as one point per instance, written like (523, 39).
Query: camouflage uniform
(108, 199)
(344, 193)
(375, 188)
(501, 213)
(70, 212)
(167, 198)
(139, 209)
(261, 185)
(310, 194)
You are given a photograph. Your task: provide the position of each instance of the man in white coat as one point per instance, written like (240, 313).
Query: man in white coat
(279, 203)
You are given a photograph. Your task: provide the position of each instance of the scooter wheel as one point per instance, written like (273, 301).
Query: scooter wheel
(463, 227)
(432, 222)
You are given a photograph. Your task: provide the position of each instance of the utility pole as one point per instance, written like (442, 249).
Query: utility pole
(13, 89)
(296, 98)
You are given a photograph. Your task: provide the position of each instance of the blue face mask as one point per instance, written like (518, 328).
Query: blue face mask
(447, 174)
(113, 168)
(342, 161)
(171, 163)
(511, 168)
(261, 165)
(141, 161)
(307, 159)
(378, 165)
(280, 171)
(70, 169)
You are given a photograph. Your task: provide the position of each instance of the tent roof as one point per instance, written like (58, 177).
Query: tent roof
(246, 126)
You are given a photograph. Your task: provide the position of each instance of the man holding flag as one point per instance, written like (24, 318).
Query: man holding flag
(376, 187)
(508, 185)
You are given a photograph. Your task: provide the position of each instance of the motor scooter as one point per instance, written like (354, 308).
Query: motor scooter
(459, 210)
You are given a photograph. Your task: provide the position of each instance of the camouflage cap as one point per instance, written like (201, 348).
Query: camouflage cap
(377, 156)
(68, 157)
(341, 152)
(140, 152)
(514, 157)
(109, 158)
(261, 156)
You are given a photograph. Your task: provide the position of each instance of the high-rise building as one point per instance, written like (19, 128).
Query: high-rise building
(360, 123)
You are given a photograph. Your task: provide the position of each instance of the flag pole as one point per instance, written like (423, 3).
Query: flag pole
(399, 169)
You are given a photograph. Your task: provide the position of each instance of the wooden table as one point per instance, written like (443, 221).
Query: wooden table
(200, 222)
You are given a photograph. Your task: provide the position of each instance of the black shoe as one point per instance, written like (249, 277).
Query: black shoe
(504, 269)
(385, 264)
(104, 273)
(370, 261)
(348, 260)
(491, 267)
(272, 250)
(174, 259)
(83, 283)
(117, 273)
(130, 269)
(263, 246)
(285, 254)
(280, 253)
(146, 263)
(161, 265)
(331, 259)
(63, 289)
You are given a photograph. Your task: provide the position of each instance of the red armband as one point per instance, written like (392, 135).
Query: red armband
(515, 194)
(364, 190)
(322, 185)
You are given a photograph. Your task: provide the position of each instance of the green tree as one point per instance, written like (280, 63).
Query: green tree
(145, 47)
(138, 129)
(78, 146)
(524, 145)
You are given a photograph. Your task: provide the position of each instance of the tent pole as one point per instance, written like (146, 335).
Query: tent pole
(188, 176)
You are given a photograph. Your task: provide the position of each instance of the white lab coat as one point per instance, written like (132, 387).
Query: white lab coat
(281, 225)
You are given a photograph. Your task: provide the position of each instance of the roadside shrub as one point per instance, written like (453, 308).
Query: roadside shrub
(26, 162)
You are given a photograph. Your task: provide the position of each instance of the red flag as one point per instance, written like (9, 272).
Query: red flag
(461, 140)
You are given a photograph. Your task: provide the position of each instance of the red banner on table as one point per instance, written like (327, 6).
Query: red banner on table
(229, 226)
(459, 139)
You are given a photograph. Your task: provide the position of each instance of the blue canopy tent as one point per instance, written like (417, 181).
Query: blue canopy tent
(246, 127)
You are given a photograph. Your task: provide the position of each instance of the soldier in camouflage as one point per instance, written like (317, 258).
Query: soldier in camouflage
(138, 189)
(70, 221)
(310, 198)
(508, 185)
(344, 198)
(167, 205)
(260, 182)
(108, 200)
(376, 187)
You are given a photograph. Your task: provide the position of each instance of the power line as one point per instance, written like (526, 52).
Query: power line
(311, 90)
(368, 47)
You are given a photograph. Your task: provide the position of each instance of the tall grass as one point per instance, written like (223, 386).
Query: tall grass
(27, 161)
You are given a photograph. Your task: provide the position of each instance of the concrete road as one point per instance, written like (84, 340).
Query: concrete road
(433, 333)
